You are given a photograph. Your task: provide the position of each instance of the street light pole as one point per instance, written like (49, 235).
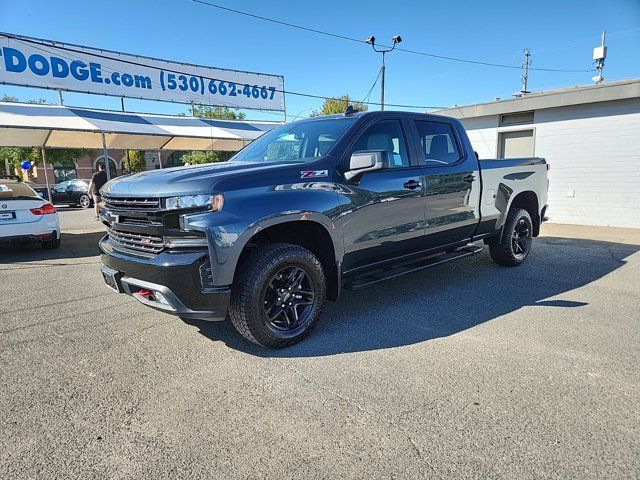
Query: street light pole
(371, 40)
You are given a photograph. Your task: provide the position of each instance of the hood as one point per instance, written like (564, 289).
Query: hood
(182, 180)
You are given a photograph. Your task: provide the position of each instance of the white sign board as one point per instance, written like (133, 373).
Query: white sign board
(30, 62)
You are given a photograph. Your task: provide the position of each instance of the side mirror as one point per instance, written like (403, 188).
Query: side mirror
(361, 162)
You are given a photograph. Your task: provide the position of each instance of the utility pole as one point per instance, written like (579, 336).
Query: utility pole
(599, 56)
(525, 72)
(382, 84)
(371, 40)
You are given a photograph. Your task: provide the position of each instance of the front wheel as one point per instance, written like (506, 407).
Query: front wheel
(278, 295)
(84, 201)
(517, 236)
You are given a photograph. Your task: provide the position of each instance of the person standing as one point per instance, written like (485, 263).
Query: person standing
(97, 182)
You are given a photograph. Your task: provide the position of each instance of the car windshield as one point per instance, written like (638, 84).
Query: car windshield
(16, 191)
(295, 142)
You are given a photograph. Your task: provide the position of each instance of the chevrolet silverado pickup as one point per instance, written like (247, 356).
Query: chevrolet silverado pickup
(311, 208)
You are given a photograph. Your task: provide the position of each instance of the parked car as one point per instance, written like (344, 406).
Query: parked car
(72, 192)
(312, 207)
(25, 217)
(39, 189)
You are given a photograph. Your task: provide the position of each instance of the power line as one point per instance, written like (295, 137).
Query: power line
(357, 40)
(368, 95)
(180, 72)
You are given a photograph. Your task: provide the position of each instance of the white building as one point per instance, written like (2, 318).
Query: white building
(589, 135)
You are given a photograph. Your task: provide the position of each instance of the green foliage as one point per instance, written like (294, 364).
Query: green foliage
(224, 113)
(332, 106)
(7, 98)
(134, 161)
(207, 156)
(54, 156)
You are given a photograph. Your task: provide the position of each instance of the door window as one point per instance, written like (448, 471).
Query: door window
(386, 136)
(438, 143)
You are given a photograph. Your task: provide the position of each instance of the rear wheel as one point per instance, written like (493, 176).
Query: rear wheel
(278, 295)
(517, 236)
(84, 201)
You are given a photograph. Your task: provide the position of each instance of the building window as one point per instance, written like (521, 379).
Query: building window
(112, 166)
(516, 144)
(62, 174)
(519, 118)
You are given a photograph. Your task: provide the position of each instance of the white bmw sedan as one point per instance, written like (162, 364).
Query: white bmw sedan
(25, 217)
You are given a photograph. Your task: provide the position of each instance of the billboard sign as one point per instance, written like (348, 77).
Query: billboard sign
(30, 62)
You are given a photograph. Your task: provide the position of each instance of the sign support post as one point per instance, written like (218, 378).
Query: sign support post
(46, 175)
(105, 154)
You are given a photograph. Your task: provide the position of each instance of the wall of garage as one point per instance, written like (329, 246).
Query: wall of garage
(594, 152)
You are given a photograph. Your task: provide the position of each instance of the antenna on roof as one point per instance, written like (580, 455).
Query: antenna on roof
(599, 55)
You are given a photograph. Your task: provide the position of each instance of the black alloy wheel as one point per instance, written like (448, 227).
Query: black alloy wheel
(521, 238)
(288, 299)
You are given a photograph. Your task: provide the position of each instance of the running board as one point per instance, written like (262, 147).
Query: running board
(365, 281)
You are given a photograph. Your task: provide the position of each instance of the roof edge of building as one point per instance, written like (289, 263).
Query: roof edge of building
(604, 92)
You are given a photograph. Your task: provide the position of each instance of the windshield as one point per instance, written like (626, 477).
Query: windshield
(295, 142)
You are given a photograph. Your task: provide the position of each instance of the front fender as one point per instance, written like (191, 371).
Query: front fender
(228, 235)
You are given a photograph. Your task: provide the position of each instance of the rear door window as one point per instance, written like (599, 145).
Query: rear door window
(438, 143)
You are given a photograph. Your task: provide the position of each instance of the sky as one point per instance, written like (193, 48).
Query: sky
(561, 35)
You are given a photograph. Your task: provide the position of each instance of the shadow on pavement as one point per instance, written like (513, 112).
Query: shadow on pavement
(445, 300)
(73, 245)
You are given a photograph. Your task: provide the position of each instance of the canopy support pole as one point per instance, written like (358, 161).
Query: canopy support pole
(46, 175)
(105, 154)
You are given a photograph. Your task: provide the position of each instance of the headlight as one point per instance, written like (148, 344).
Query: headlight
(214, 202)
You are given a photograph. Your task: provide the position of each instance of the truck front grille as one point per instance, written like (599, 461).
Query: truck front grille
(135, 204)
(136, 241)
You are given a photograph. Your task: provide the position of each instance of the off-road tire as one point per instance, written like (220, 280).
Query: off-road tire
(503, 252)
(251, 281)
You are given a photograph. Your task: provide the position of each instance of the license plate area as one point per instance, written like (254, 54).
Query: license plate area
(112, 279)
(7, 215)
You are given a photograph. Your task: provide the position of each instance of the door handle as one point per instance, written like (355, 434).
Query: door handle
(469, 178)
(412, 184)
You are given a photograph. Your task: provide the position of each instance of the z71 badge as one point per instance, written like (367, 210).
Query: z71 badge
(314, 173)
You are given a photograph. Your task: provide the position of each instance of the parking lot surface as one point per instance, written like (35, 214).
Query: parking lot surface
(466, 370)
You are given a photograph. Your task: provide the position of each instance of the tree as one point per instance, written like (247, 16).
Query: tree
(332, 106)
(224, 113)
(134, 161)
(212, 156)
(206, 156)
(57, 156)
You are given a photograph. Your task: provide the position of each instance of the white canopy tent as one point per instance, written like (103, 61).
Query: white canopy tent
(54, 126)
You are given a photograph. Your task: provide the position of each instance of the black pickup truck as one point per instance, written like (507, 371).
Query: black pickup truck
(308, 209)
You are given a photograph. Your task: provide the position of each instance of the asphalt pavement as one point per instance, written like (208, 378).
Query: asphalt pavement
(467, 370)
